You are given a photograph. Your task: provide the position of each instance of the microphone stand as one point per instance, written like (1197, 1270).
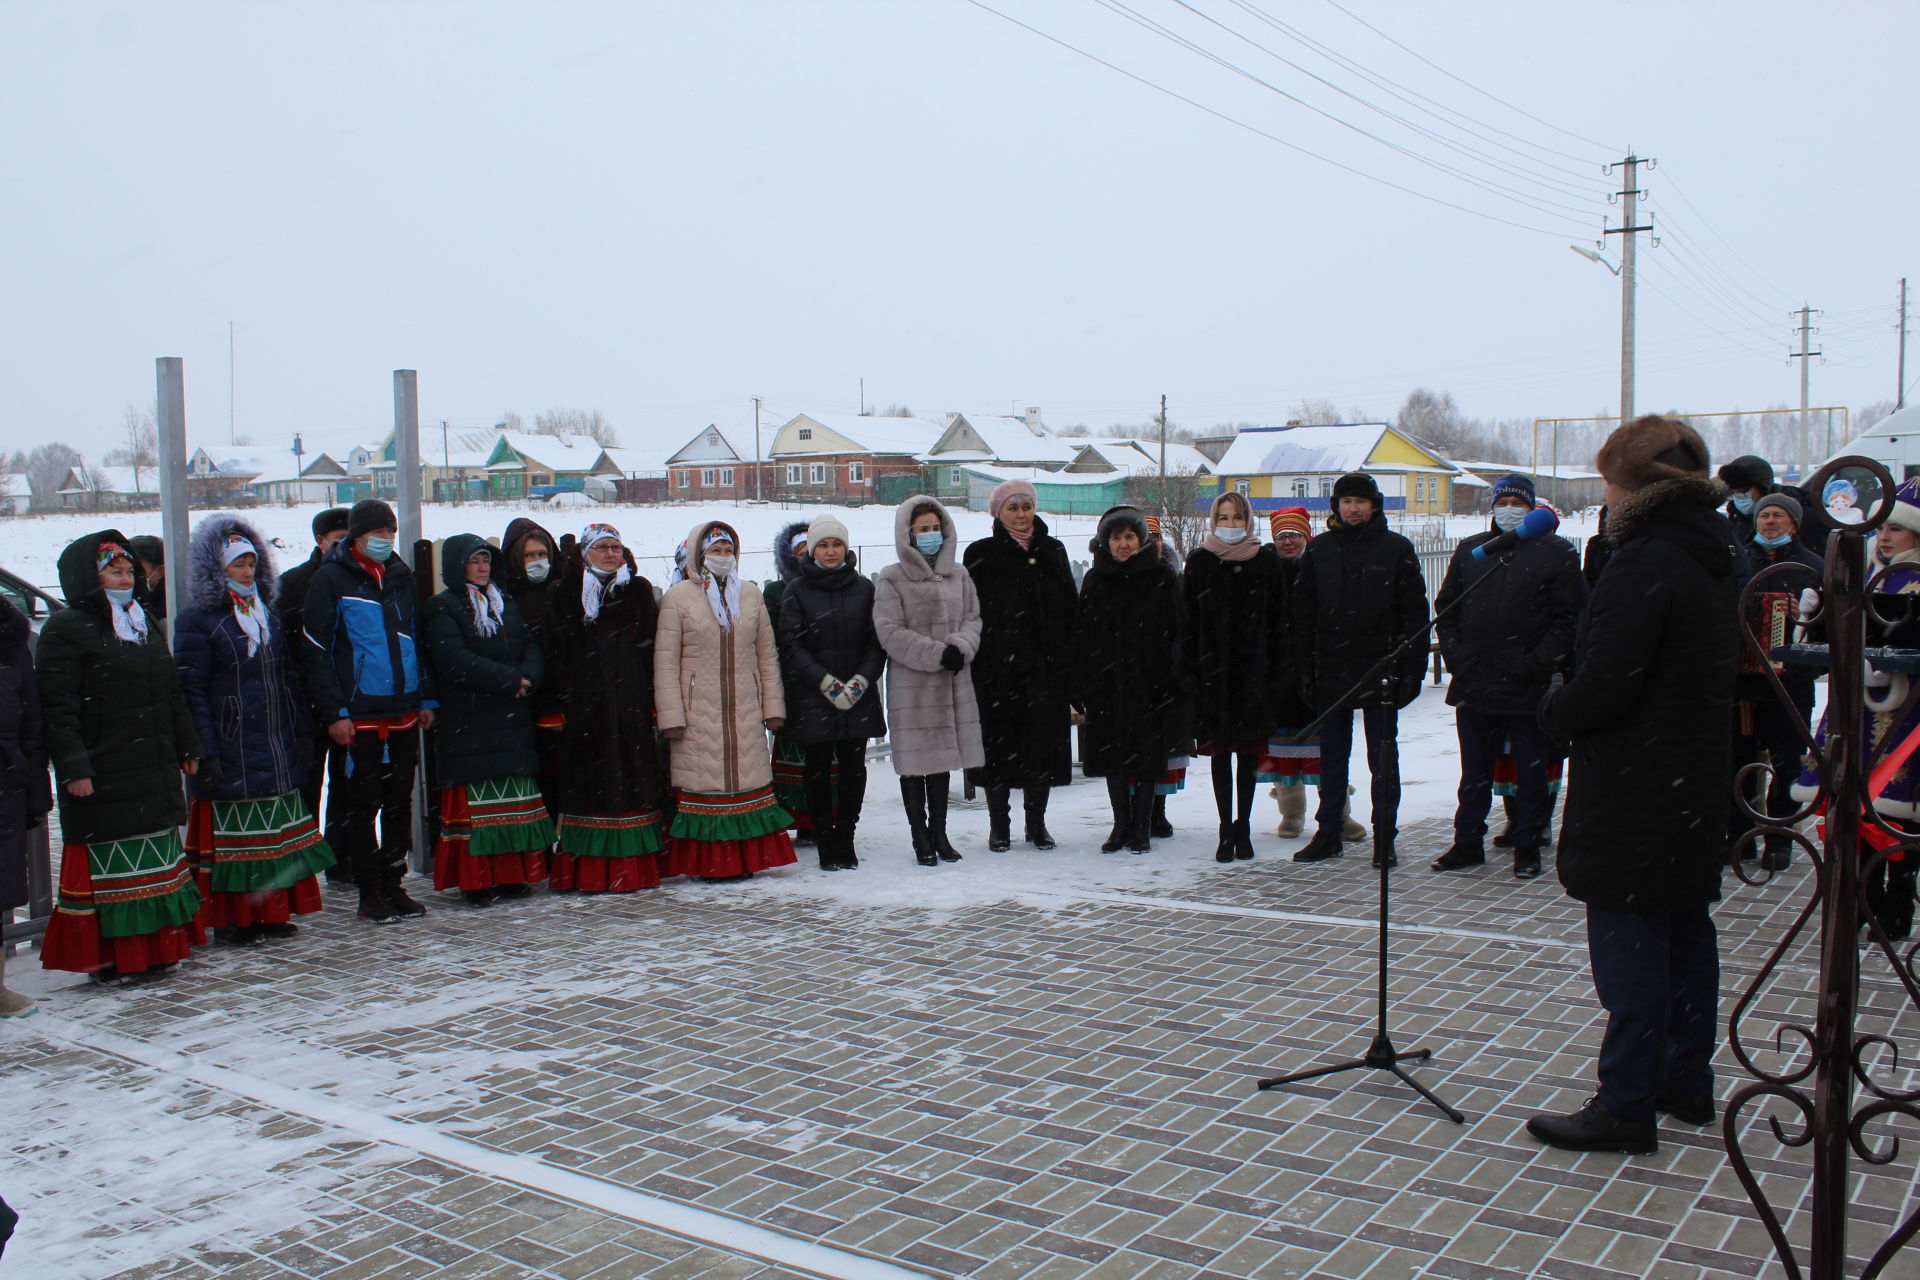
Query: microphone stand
(1381, 1054)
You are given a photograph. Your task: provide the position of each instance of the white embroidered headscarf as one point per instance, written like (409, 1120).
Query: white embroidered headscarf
(248, 613)
(723, 594)
(592, 589)
(129, 619)
(488, 608)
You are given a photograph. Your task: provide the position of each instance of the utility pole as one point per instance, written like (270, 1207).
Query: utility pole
(757, 468)
(1628, 230)
(1804, 356)
(1900, 392)
(233, 433)
(1163, 458)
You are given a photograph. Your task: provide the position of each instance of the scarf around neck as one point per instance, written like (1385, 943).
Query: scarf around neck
(723, 597)
(129, 621)
(1245, 549)
(487, 606)
(251, 618)
(592, 590)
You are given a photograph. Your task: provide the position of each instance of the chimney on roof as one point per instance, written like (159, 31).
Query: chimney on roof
(950, 417)
(1033, 420)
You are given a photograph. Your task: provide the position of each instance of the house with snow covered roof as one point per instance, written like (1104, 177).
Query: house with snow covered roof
(1135, 457)
(98, 487)
(324, 479)
(841, 457)
(708, 467)
(1295, 466)
(999, 439)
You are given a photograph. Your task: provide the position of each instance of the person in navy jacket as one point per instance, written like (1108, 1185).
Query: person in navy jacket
(370, 687)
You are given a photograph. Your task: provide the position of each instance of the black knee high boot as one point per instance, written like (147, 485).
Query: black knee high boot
(1122, 816)
(937, 817)
(1162, 829)
(913, 791)
(1141, 807)
(1243, 796)
(1035, 803)
(999, 819)
(1223, 805)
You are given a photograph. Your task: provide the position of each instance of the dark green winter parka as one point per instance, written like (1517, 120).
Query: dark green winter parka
(113, 712)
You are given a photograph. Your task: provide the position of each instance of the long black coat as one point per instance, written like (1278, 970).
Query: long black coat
(25, 793)
(1357, 595)
(111, 711)
(530, 598)
(1505, 640)
(826, 628)
(1649, 708)
(483, 731)
(1236, 645)
(1290, 709)
(610, 759)
(1128, 673)
(250, 709)
(1020, 674)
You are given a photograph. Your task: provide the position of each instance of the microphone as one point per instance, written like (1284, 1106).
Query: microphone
(1535, 524)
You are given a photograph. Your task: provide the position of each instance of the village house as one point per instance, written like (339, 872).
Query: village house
(842, 457)
(1296, 466)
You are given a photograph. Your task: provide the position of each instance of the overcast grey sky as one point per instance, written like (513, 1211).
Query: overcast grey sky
(661, 210)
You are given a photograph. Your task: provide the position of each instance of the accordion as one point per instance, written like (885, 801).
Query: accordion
(1769, 620)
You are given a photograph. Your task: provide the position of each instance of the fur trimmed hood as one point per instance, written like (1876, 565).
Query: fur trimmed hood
(207, 579)
(786, 565)
(912, 563)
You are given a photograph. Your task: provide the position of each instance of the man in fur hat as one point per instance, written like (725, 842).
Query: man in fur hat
(1649, 715)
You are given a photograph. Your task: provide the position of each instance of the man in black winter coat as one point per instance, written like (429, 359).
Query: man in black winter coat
(291, 604)
(1357, 595)
(1503, 643)
(1764, 728)
(1648, 711)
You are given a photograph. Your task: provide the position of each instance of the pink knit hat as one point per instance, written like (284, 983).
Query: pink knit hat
(1009, 489)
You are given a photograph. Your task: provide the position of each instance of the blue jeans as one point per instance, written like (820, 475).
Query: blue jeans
(1383, 761)
(1658, 977)
(1481, 738)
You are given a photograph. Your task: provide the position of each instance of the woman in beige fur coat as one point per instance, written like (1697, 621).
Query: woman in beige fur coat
(717, 693)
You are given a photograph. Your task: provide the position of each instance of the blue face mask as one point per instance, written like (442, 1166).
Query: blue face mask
(929, 543)
(1743, 503)
(1229, 534)
(242, 588)
(378, 549)
(122, 596)
(1773, 544)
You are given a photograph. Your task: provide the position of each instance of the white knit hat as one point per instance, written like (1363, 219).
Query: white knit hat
(826, 525)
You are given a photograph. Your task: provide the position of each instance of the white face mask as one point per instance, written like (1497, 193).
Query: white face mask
(721, 566)
(537, 570)
(1507, 519)
(1228, 533)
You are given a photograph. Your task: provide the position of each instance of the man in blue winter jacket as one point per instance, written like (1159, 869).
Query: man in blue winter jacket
(371, 690)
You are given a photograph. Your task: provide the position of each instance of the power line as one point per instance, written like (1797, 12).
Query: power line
(1469, 84)
(1413, 97)
(1682, 197)
(1259, 132)
(1536, 203)
(1551, 184)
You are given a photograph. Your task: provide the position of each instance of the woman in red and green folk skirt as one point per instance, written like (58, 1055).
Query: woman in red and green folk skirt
(255, 844)
(119, 735)
(601, 617)
(717, 691)
(494, 828)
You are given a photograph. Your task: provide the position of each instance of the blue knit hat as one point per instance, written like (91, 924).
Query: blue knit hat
(1515, 486)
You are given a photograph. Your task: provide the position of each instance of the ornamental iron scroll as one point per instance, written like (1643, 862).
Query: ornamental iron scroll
(1822, 1066)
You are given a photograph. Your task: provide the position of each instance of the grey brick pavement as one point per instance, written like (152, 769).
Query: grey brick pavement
(1000, 1091)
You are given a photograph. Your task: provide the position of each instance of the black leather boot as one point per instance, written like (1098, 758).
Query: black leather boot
(1118, 797)
(1143, 799)
(1223, 852)
(937, 817)
(1038, 836)
(1162, 829)
(913, 791)
(999, 819)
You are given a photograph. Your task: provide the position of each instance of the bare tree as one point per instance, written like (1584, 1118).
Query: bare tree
(1868, 414)
(45, 468)
(139, 444)
(1077, 431)
(896, 411)
(576, 422)
(1175, 499)
(510, 421)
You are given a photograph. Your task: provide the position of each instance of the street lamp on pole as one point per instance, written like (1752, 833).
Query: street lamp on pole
(1626, 325)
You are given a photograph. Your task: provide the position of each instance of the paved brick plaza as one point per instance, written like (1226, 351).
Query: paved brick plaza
(1054, 1081)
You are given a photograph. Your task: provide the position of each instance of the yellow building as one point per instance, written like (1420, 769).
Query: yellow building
(1296, 467)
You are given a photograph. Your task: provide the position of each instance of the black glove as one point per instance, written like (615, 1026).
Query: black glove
(1406, 687)
(208, 774)
(951, 658)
